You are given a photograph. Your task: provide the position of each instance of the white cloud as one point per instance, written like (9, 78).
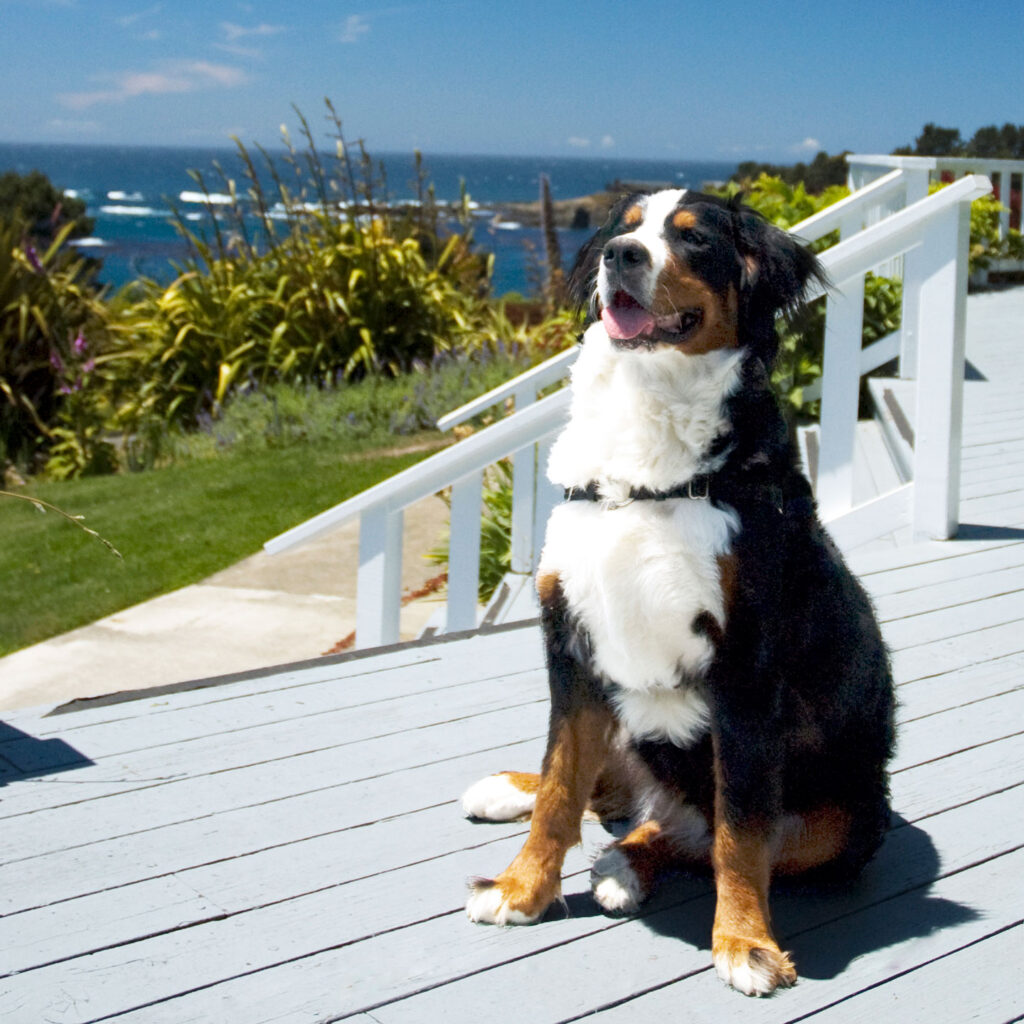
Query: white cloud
(127, 20)
(235, 32)
(356, 26)
(170, 77)
(578, 142)
(809, 145)
(607, 142)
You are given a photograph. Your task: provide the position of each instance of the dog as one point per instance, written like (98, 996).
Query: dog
(717, 674)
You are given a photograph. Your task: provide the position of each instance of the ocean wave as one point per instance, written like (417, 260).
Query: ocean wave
(132, 211)
(89, 243)
(508, 225)
(121, 197)
(211, 199)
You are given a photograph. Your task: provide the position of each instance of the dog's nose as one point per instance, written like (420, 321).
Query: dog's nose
(626, 253)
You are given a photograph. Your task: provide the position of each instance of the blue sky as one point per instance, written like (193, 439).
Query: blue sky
(746, 79)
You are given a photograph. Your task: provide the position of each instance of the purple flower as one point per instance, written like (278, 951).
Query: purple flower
(56, 362)
(79, 344)
(89, 366)
(33, 258)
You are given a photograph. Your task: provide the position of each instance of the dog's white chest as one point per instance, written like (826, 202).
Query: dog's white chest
(637, 578)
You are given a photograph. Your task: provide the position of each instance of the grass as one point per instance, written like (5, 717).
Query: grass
(173, 526)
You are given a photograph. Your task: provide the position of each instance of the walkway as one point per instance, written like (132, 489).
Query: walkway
(289, 847)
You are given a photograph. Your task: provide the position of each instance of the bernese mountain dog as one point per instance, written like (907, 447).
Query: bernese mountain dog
(717, 674)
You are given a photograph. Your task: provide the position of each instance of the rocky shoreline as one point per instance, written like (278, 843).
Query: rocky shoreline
(582, 213)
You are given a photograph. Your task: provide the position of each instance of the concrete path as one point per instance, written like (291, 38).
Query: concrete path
(266, 610)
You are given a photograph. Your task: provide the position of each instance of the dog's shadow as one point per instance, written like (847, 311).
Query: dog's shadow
(824, 929)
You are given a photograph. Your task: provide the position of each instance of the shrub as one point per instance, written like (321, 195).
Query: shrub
(53, 337)
(324, 283)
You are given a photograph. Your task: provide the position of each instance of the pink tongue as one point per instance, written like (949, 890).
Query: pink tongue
(625, 322)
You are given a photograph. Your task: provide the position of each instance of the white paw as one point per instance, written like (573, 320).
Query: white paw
(495, 798)
(756, 973)
(615, 884)
(487, 905)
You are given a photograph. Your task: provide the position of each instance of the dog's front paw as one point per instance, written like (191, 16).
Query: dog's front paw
(616, 886)
(489, 903)
(753, 968)
(499, 798)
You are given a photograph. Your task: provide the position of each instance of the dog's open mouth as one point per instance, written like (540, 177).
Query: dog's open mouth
(630, 325)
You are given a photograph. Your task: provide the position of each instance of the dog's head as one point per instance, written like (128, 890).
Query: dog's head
(691, 272)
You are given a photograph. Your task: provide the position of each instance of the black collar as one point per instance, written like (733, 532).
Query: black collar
(714, 487)
(697, 487)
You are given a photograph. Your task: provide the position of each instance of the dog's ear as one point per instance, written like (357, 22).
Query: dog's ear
(581, 284)
(777, 271)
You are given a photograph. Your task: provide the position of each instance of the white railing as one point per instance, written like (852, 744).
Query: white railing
(929, 234)
(1006, 176)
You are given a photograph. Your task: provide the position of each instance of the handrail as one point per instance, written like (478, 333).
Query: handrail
(433, 474)
(835, 216)
(537, 377)
(897, 233)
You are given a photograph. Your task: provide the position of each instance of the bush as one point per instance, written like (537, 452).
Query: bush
(324, 283)
(53, 339)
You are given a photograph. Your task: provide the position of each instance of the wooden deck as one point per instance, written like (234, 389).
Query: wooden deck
(289, 846)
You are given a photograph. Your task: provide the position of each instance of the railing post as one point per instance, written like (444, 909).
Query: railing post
(840, 389)
(379, 581)
(548, 496)
(917, 189)
(938, 432)
(464, 552)
(524, 485)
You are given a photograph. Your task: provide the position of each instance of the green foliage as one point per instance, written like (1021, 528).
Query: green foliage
(32, 200)
(986, 243)
(990, 142)
(53, 335)
(336, 286)
(823, 172)
(371, 412)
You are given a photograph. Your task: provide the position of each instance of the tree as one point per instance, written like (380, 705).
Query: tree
(33, 199)
(936, 141)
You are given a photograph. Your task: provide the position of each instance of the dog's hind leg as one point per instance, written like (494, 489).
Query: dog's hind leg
(624, 874)
(504, 796)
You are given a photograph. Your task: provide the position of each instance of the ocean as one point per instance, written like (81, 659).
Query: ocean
(129, 192)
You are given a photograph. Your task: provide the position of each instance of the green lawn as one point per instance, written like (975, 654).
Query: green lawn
(173, 526)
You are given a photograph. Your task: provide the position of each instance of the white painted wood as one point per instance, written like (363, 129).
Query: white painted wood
(464, 553)
(939, 403)
(524, 487)
(840, 388)
(379, 577)
(871, 357)
(874, 518)
(913, 276)
(533, 380)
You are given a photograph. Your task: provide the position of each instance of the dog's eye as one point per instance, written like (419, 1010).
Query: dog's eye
(692, 236)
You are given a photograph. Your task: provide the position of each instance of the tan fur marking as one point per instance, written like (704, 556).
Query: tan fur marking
(649, 852)
(633, 216)
(742, 934)
(728, 570)
(547, 587)
(533, 880)
(679, 289)
(525, 782)
(822, 836)
(684, 219)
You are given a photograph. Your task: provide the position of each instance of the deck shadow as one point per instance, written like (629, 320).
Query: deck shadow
(977, 531)
(23, 756)
(826, 929)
